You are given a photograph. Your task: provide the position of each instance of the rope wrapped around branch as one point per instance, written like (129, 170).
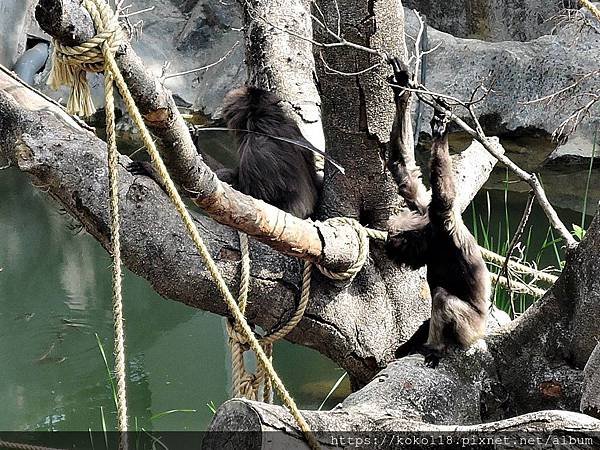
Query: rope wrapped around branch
(70, 64)
(244, 383)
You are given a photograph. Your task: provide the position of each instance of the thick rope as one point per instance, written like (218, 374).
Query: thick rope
(363, 250)
(70, 64)
(20, 446)
(591, 8)
(282, 332)
(517, 286)
(69, 67)
(98, 10)
(537, 274)
(242, 381)
(245, 384)
(117, 276)
(490, 256)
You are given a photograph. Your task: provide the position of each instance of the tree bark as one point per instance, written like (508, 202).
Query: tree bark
(261, 426)
(590, 398)
(280, 62)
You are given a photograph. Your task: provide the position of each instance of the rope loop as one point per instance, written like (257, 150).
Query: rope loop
(70, 64)
(363, 250)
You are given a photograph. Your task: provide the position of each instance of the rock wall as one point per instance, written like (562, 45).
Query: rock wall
(491, 20)
(15, 19)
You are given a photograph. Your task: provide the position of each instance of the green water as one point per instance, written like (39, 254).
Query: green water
(55, 297)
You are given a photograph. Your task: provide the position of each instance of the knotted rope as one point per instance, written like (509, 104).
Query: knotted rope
(363, 250)
(20, 446)
(103, 17)
(70, 64)
(245, 384)
(69, 67)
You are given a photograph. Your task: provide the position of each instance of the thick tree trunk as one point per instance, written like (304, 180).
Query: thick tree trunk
(251, 425)
(280, 62)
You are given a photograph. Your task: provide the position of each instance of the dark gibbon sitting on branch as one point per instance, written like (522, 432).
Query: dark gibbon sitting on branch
(431, 233)
(279, 171)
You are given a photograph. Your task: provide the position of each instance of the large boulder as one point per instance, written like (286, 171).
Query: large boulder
(490, 20)
(185, 34)
(16, 22)
(520, 72)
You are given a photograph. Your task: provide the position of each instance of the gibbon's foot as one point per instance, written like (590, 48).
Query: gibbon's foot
(416, 343)
(404, 350)
(142, 168)
(400, 77)
(145, 169)
(432, 356)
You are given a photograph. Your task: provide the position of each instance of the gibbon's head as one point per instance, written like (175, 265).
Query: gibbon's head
(245, 105)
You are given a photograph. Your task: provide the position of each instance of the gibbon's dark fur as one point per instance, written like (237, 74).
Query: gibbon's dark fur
(280, 173)
(434, 235)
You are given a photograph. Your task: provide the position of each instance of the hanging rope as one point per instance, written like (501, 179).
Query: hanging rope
(20, 446)
(69, 67)
(117, 276)
(591, 8)
(103, 16)
(244, 383)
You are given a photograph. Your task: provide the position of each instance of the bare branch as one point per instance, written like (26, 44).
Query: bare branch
(570, 124)
(206, 67)
(347, 74)
(551, 97)
(431, 98)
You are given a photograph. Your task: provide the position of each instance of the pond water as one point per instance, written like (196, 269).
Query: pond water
(55, 299)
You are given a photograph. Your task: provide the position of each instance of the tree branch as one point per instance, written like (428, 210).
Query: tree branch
(281, 231)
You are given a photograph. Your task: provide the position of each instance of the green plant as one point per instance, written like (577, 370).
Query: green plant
(211, 406)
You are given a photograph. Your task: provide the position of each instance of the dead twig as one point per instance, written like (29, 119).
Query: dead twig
(432, 99)
(198, 69)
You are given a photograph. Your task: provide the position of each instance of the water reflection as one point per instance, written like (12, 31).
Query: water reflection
(55, 297)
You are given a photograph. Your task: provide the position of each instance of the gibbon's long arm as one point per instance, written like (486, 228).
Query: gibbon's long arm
(434, 235)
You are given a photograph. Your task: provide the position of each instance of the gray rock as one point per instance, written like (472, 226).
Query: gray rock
(15, 22)
(491, 20)
(521, 72)
(186, 34)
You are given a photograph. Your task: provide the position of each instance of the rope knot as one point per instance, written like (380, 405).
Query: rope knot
(236, 336)
(70, 64)
(363, 250)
